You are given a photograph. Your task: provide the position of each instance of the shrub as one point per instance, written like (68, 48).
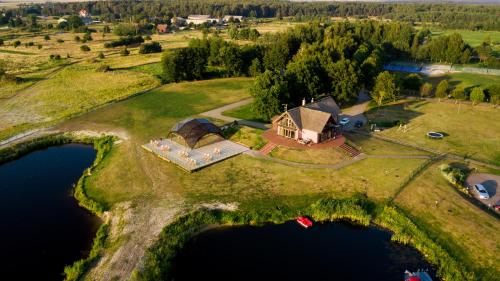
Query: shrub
(77, 38)
(1, 42)
(124, 41)
(103, 68)
(87, 36)
(46, 37)
(477, 95)
(55, 57)
(84, 48)
(100, 55)
(455, 175)
(39, 47)
(153, 47)
(16, 43)
(60, 41)
(125, 52)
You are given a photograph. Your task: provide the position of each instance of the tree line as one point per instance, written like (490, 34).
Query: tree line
(449, 15)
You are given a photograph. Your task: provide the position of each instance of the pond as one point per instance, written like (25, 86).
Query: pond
(42, 228)
(330, 251)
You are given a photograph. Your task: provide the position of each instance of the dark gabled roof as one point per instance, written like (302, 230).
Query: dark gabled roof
(193, 130)
(314, 116)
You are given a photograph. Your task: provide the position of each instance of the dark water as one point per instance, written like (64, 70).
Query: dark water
(42, 228)
(333, 251)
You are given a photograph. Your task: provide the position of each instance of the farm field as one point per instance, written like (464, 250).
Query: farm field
(468, 130)
(473, 38)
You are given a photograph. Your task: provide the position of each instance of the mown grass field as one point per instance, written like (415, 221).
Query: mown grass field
(73, 90)
(473, 38)
(469, 129)
(312, 156)
(466, 80)
(245, 112)
(468, 232)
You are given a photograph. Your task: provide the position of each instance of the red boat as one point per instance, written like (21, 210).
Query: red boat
(417, 276)
(305, 222)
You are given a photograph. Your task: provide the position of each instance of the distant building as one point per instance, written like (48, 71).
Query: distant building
(84, 13)
(162, 28)
(178, 21)
(227, 18)
(315, 122)
(200, 19)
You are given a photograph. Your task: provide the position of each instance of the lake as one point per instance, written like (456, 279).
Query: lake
(330, 251)
(42, 228)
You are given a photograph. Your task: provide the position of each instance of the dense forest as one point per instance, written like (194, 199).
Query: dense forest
(449, 15)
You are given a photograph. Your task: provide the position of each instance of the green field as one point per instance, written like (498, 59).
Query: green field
(473, 38)
(467, 80)
(245, 112)
(74, 90)
(469, 129)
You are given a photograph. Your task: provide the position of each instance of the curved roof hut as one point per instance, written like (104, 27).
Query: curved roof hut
(194, 133)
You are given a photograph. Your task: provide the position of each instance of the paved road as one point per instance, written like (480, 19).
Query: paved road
(355, 112)
(490, 182)
(217, 114)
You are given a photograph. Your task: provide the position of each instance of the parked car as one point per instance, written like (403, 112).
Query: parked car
(344, 121)
(496, 207)
(358, 124)
(483, 194)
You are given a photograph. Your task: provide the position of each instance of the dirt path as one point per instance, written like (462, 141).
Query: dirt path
(217, 114)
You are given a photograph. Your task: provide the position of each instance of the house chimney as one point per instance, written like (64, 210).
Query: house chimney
(312, 100)
(303, 101)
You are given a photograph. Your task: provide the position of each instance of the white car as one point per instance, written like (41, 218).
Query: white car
(483, 194)
(344, 121)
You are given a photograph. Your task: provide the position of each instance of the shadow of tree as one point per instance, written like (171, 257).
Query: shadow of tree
(396, 113)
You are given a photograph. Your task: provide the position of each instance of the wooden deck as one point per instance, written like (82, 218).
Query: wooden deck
(194, 159)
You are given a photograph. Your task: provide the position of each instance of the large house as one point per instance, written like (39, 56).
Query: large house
(200, 19)
(314, 122)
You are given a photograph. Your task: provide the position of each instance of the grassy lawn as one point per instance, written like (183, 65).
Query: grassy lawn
(248, 180)
(245, 112)
(469, 130)
(312, 156)
(247, 136)
(76, 89)
(466, 231)
(473, 38)
(467, 80)
(375, 146)
(152, 115)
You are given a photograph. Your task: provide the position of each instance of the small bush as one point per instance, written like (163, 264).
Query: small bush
(46, 37)
(60, 40)
(16, 43)
(103, 68)
(101, 55)
(77, 38)
(153, 47)
(125, 52)
(84, 48)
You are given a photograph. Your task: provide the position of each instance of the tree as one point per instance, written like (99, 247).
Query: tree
(46, 37)
(16, 43)
(125, 52)
(477, 95)
(344, 80)
(494, 94)
(412, 82)
(77, 38)
(184, 64)
(1, 42)
(153, 47)
(442, 90)
(270, 92)
(100, 55)
(307, 78)
(232, 59)
(84, 48)
(426, 90)
(74, 22)
(385, 88)
(255, 68)
(458, 93)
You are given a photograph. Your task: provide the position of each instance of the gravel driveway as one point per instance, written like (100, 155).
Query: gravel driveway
(490, 182)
